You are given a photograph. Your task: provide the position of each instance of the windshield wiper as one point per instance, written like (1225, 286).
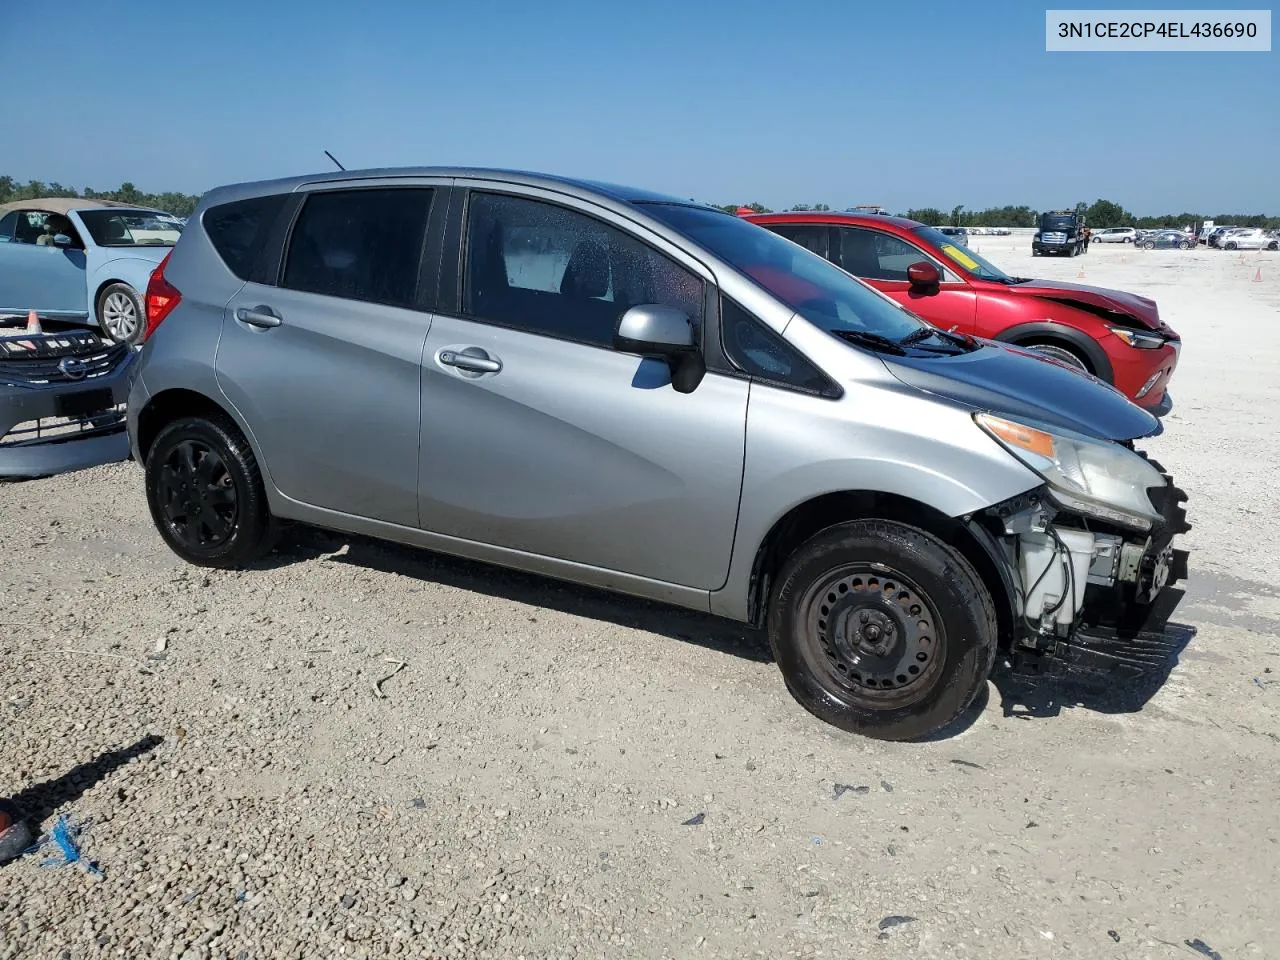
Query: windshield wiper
(916, 338)
(868, 339)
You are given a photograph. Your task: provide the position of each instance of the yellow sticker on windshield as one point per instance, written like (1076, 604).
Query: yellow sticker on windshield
(960, 257)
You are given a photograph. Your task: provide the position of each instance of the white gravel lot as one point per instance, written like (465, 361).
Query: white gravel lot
(522, 790)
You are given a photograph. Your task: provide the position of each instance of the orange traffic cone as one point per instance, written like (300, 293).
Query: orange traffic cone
(1080, 275)
(33, 322)
(1257, 277)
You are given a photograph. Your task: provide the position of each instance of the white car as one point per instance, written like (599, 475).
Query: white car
(1254, 239)
(1115, 235)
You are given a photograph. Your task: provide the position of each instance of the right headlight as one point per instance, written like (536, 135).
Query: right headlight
(1097, 478)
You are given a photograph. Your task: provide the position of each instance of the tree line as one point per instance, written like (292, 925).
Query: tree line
(179, 204)
(1101, 213)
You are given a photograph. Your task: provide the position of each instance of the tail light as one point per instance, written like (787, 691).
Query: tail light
(162, 296)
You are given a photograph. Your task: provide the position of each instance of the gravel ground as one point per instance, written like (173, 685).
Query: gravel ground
(558, 773)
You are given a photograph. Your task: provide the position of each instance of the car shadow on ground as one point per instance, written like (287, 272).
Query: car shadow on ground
(714, 633)
(1028, 696)
(40, 800)
(1022, 696)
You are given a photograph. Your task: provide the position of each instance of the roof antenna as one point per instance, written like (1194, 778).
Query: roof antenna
(335, 160)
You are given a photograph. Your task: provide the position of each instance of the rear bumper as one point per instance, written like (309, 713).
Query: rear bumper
(25, 455)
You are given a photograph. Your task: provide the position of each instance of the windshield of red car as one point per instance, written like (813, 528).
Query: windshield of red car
(962, 257)
(809, 284)
(131, 228)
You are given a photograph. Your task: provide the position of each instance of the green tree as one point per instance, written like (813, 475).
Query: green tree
(929, 215)
(1105, 213)
(956, 214)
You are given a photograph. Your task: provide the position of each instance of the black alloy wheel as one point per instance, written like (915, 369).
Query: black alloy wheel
(206, 495)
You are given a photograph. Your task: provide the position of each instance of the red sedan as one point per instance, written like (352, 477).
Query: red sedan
(1118, 337)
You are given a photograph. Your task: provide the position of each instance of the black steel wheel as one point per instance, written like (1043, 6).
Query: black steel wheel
(206, 495)
(882, 629)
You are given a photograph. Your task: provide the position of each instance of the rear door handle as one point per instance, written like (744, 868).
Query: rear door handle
(472, 359)
(258, 316)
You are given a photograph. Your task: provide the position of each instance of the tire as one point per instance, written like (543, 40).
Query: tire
(209, 462)
(1149, 245)
(1229, 245)
(1059, 352)
(1273, 246)
(935, 620)
(1184, 245)
(120, 313)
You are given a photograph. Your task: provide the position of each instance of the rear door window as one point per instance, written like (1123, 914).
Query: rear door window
(239, 230)
(360, 244)
(810, 236)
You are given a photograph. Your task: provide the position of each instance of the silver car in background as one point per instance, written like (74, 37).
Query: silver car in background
(1251, 238)
(643, 394)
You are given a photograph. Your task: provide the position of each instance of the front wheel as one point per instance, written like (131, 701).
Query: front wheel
(1184, 245)
(206, 495)
(881, 629)
(120, 313)
(1230, 246)
(1149, 245)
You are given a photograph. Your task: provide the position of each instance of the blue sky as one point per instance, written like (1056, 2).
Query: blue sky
(787, 101)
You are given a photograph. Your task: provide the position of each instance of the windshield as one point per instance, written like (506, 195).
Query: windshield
(962, 257)
(131, 228)
(811, 285)
(1057, 223)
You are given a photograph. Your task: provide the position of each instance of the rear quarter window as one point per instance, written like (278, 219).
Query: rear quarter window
(239, 230)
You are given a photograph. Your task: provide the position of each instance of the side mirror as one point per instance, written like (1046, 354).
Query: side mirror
(61, 240)
(663, 333)
(923, 274)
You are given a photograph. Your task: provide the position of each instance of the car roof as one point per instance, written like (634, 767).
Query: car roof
(830, 216)
(581, 186)
(68, 204)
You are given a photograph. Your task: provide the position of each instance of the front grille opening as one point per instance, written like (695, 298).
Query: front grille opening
(29, 433)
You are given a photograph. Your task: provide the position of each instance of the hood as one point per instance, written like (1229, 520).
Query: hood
(1012, 382)
(1141, 310)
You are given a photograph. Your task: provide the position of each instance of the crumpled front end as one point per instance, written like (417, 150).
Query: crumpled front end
(1090, 596)
(62, 398)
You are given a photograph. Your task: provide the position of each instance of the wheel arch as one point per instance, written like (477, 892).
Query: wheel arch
(1042, 331)
(975, 537)
(173, 404)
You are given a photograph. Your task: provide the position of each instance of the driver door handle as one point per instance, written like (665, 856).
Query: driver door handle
(258, 316)
(468, 361)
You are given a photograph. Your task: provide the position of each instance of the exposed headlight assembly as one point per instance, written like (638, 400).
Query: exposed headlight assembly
(1143, 341)
(1094, 477)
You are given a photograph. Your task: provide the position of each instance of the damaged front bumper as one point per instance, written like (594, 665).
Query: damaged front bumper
(51, 423)
(1086, 596)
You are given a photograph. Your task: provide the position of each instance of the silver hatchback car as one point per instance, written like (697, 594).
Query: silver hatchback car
(644, 394)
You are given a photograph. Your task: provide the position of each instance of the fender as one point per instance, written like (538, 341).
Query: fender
(135, 271)
(1088, 346)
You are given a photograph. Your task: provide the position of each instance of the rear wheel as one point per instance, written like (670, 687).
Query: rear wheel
(206, 495)
(1230, 245)
(120, 313)
(881, 629)
(1149, 245)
